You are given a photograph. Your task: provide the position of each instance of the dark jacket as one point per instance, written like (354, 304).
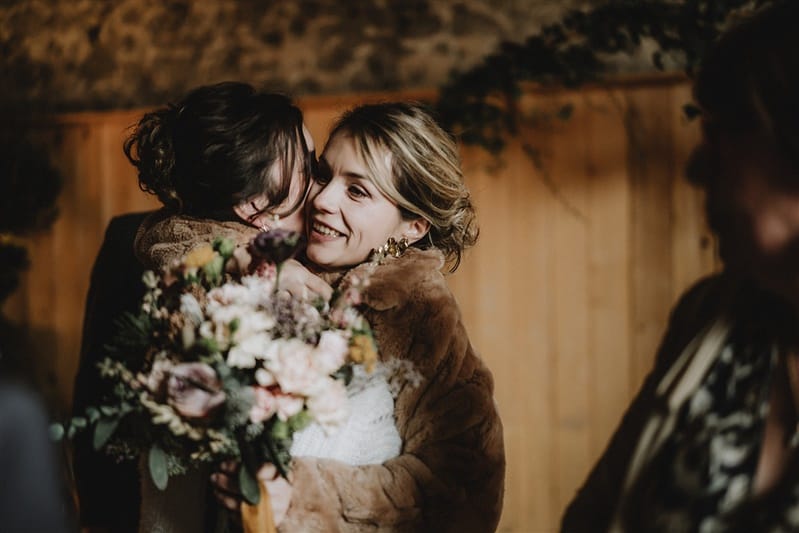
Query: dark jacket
(108, 492)
(595, 504)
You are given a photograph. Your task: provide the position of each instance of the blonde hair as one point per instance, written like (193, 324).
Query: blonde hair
(415, 163)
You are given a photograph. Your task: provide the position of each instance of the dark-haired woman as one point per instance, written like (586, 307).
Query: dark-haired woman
(226, 160)
(710, 442)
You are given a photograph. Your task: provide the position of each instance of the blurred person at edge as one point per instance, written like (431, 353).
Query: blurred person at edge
(709, 443)
(32, 497)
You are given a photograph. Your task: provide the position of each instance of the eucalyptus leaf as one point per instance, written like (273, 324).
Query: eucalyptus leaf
(92, 414)
(249, 486)
(280, 430)
(56, 432)
(103, 430)
(157, 463)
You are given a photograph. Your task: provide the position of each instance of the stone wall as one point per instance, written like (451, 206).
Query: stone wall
(99, 54)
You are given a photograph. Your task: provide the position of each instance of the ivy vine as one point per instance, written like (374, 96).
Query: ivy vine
(481, 105)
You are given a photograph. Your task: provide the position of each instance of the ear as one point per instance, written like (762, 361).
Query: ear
(415, 229)
(244, 211)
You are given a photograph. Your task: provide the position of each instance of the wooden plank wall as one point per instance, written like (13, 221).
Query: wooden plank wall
(588, 236)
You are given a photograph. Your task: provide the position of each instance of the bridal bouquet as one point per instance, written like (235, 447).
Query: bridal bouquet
(220, 364)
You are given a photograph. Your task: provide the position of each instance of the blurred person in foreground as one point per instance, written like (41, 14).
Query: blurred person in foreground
(709, 443)
(32, 495)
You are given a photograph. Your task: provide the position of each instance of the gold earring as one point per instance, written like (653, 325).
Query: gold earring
(275, 223)
(393, 248)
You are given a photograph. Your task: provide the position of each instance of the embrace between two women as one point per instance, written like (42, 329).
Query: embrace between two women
(229, 161)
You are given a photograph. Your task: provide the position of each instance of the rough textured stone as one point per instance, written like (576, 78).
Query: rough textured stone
(94, 54)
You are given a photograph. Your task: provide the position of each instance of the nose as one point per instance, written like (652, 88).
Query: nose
(324, 197)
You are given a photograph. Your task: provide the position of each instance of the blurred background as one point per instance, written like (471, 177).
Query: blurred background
(589, 232)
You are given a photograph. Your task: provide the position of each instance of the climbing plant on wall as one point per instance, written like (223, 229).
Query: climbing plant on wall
(479, 105)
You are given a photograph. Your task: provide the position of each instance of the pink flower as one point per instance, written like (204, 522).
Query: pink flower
(264, 407)
(331, 352)
(288, 405)
(270, 401)
(293, 367)
(194, 390)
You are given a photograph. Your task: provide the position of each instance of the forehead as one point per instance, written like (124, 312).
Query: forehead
(346, 148)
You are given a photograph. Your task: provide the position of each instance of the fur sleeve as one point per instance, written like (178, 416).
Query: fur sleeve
(449, 476)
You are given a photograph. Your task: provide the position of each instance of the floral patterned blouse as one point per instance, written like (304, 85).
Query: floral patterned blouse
(701, 479)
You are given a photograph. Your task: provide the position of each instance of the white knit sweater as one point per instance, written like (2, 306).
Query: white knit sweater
(368, 437)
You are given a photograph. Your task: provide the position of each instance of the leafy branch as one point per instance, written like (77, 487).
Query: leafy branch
(481, 104)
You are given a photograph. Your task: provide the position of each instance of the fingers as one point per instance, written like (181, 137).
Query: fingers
(267, 472)
(228, 502)
(316, 285)
(299, 281)
(229, 467)
(226, 490)
(226, 483)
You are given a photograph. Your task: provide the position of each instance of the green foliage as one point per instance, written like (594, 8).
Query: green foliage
(481, 104)
(132, 336)
(103, 431)
(249, 486)
(157, 464)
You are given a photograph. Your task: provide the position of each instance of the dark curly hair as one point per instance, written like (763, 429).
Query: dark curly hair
(218, 146)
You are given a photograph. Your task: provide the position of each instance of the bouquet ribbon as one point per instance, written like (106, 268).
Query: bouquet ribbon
(258, 518)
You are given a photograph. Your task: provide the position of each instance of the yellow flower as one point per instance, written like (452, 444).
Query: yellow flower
(198, 257)
(362, 350)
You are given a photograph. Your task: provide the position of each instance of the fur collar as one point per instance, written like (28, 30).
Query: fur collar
(164, 236)
(395, 279)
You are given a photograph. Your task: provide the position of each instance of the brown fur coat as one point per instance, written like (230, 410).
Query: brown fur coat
(450, 474)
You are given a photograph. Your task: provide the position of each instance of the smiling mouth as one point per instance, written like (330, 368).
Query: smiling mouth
(326, 230)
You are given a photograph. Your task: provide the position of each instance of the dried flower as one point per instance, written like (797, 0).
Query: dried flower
(362, 350)
(277, 245)
(194, 390)
(199, 256)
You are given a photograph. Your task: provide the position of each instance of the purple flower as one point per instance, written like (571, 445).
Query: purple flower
(276, 245)
(194, 390)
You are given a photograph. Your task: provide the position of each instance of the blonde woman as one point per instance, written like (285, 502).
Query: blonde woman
(390, 182)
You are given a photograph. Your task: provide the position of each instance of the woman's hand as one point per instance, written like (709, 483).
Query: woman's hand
(226, 488)
(279, 490)
(301, 283)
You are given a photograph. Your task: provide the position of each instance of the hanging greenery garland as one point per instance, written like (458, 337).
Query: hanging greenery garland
(480, 105)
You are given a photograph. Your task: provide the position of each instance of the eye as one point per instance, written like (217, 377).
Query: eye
(356, 191)
(322, 175)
